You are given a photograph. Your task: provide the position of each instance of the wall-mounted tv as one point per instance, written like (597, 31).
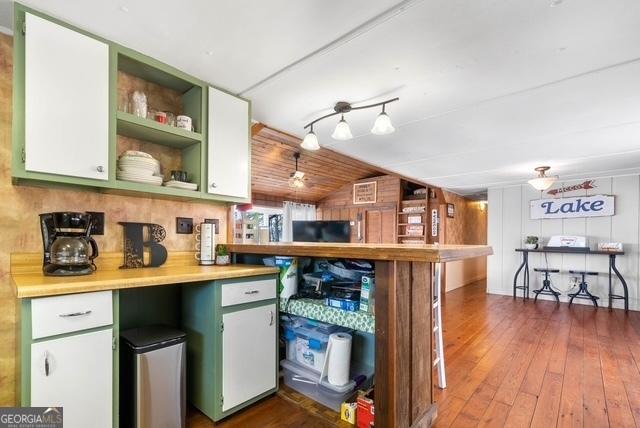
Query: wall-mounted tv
(321, 231)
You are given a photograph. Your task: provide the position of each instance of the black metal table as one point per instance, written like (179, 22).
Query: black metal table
(612, 269)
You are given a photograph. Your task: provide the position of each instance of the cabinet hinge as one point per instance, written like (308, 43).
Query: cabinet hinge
(23, 155)
(24, 27)
(113, 343)
(221, 327)
(222, 400)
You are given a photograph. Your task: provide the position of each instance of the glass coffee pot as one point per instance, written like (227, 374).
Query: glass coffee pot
(69, 247)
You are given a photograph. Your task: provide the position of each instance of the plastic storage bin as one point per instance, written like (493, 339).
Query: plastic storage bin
(305, 381)
(306, 340)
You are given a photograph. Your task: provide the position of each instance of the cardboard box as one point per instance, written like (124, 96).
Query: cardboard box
(366, 412)
(366, 293)
(348, 411)
(344, 304)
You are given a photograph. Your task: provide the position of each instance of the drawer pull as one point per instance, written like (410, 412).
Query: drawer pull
(46, 363)
(75, 314)
(271, 320)
(252, 292)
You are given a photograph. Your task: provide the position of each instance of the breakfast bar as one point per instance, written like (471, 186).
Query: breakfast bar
(404, 295)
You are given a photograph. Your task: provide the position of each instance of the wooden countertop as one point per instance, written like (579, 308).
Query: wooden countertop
(28, 281)
(402, 252)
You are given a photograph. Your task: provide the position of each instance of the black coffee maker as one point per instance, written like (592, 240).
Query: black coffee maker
(69, 248)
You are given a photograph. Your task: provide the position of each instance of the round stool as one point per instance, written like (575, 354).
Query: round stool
(583, 292)
(546, 284)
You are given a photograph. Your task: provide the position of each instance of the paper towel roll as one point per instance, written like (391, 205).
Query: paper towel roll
(339, 356)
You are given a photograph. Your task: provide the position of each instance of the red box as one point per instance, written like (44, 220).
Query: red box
(366, 410)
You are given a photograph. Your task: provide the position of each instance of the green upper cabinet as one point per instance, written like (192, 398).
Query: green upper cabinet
(228, 156)
(69, 126)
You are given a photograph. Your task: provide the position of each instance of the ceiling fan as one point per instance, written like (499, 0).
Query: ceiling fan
(296, 179)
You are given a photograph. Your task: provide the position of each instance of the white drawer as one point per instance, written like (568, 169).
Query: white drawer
(71, 312)
(248, 291)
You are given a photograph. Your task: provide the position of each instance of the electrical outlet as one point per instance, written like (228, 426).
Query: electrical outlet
(184, 225)
(215, 222)
(97, 222)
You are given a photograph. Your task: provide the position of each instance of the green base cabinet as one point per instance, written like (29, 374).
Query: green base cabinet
(68, 356)
(232, 343)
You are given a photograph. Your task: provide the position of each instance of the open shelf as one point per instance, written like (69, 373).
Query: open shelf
(317, 310)
(153, 71)
(417, 202)
(153, 189)
(132, 126)
(411, 236)
(413, 213)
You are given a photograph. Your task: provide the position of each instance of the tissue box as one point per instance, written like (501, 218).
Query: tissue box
(366, 413)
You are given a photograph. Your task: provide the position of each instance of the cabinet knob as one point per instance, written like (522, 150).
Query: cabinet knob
(100, 168)
(213, 185)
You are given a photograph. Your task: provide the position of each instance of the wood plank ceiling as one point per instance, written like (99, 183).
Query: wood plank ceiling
(272, 162)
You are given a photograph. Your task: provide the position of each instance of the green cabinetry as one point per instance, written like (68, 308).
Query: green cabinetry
(232, 336)
(68, 356)
(67, 129)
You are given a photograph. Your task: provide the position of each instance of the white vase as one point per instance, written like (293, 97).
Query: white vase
(530, 246)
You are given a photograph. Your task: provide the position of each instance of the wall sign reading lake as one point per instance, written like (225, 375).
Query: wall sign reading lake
(580, 206)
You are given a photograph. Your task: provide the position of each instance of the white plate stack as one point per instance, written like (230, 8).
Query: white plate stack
(181, 185)
(139, 167)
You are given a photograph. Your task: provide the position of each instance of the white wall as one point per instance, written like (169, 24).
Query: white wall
(465, 272)
(509, 224)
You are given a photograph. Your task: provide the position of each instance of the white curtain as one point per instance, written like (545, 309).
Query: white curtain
(295, 211)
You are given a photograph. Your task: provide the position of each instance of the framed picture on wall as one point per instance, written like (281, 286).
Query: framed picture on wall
(451, 210)
(365, 193)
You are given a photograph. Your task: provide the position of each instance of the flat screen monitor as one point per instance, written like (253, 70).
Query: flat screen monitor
(321, 231)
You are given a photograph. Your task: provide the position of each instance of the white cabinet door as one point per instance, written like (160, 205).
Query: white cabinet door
(228, 158)
(75, 372)
(249, 354)
(66, 101)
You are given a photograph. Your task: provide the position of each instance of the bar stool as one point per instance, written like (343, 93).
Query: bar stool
(583, 292)
(546, 284)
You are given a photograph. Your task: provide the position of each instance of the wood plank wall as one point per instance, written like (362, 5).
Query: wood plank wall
(273, 201)
(377, 221)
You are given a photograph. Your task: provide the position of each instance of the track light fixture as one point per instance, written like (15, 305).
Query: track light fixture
(310, 141)
(382, 125)
(342, 131)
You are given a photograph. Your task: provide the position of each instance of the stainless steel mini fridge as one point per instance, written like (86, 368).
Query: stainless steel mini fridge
(152, 377)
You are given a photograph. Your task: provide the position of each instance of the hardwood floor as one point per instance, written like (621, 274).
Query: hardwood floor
(519, 364)
(509, 363)
(271, 412)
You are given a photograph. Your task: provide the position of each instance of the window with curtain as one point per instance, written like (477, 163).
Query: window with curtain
(295, 211)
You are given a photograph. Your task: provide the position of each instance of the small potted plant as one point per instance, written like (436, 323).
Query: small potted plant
(531, 243)
(222, 255)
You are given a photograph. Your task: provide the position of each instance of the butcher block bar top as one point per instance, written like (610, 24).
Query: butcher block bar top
(399, 252)
(28, 281)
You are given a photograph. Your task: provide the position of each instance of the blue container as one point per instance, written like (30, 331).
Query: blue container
(344, 304)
